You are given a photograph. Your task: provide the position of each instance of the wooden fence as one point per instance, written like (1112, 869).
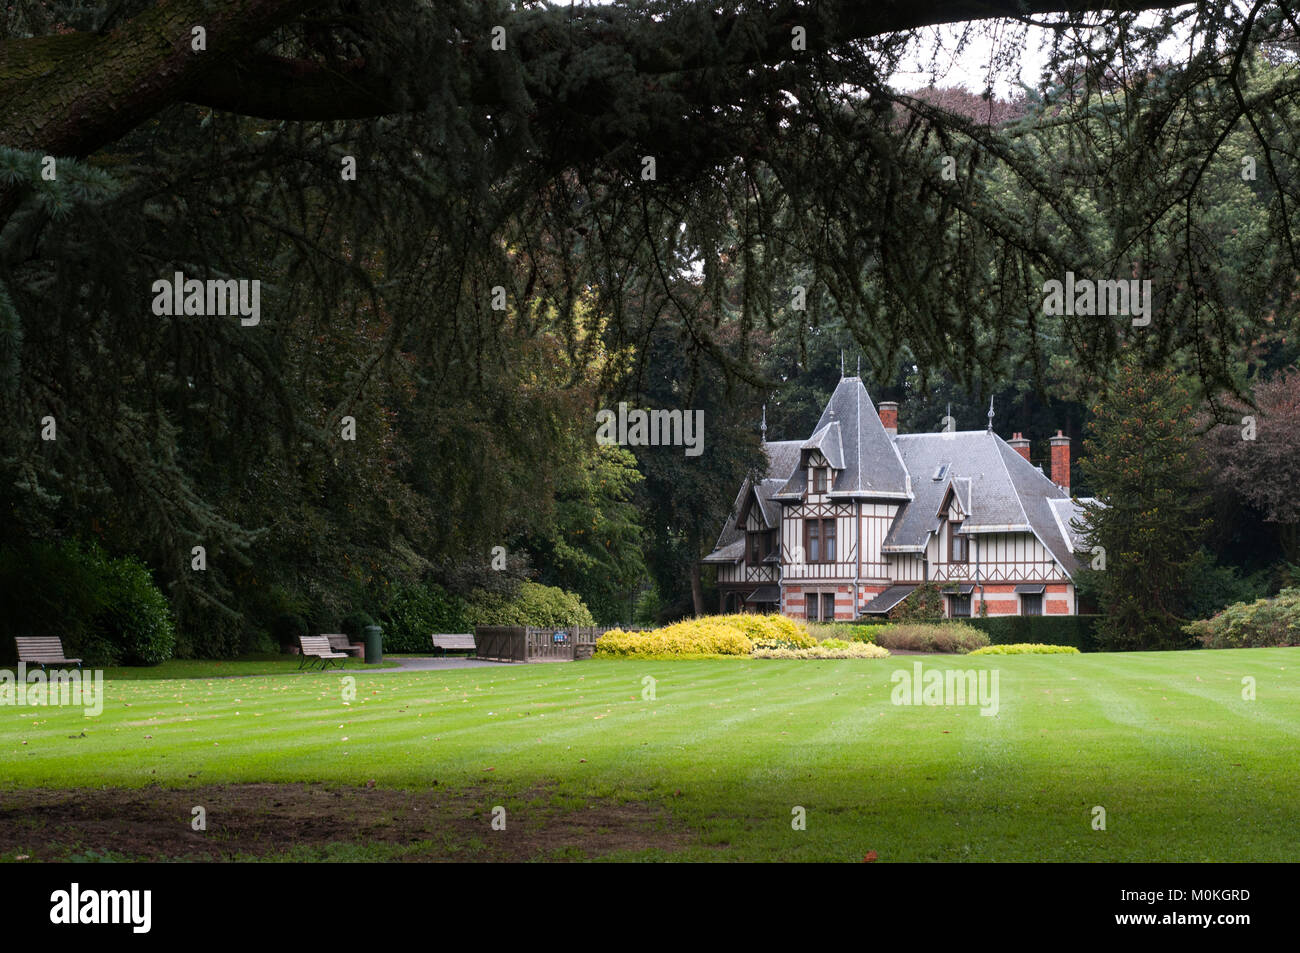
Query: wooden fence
(520, 643)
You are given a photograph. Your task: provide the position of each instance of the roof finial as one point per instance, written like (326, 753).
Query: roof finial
(763, 426)
(859, 366)
(990, 413)
(841, 364)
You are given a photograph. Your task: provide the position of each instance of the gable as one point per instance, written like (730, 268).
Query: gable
(854, 442)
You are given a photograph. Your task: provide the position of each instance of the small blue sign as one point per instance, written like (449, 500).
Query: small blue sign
(559, 636)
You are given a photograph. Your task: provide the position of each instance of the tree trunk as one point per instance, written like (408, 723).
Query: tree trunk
(72, 93)
(697, 589)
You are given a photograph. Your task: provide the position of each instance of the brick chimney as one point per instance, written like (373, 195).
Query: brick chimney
(1019, 444)
(889, 416)
(1061, 460)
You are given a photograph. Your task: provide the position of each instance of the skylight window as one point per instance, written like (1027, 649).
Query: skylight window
(940, 472)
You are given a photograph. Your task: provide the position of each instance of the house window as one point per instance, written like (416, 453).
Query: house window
(819, 540)
(761, 545)
(819, 601)
(959, 606)
(958, 546)
(1031, 604)
(819, 480)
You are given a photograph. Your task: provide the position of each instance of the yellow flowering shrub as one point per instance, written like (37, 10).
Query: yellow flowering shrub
(772, 631)
(1027, 648)
(711, 635)
(829, 648)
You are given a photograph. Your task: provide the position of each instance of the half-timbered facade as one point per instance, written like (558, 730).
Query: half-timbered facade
(848, 522)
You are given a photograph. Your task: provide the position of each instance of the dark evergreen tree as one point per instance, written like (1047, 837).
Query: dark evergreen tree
(1144, 528)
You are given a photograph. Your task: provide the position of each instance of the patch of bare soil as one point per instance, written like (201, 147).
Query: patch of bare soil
(311, 821)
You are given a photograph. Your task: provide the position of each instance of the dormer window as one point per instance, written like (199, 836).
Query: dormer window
(761, 545)
(819, 479)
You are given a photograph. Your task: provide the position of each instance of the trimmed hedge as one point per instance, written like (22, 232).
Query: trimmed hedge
(1075, 630)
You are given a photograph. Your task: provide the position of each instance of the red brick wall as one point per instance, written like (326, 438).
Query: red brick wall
(1002, 606)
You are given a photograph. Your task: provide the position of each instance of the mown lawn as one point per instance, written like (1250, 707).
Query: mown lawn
(261, 664)
(1185, 767)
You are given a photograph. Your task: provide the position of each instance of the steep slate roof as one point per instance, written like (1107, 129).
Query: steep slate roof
(1005, 493)
(999, 490)
(828, 441)
(782, 457)
(871, 465)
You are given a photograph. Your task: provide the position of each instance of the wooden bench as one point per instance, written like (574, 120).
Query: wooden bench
(453, 642)
(339, 643)
(316, 648)
(43, 651)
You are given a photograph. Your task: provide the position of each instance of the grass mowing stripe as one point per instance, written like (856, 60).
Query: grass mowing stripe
(1187, 769)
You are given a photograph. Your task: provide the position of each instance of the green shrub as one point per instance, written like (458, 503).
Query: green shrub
(135, 620)
(207, 631)
(953, 637)
(923, 604)
(354, 625)
(649, 604)
(259, 642)
(415, 611)
(533, 604)
(1027, 648)
(49, 589)
(1215, 587)
(106, 610)
(287, 628)
(1248, 625)
(1075, 630)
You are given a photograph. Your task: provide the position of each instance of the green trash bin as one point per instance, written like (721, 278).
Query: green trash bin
(374, 645)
